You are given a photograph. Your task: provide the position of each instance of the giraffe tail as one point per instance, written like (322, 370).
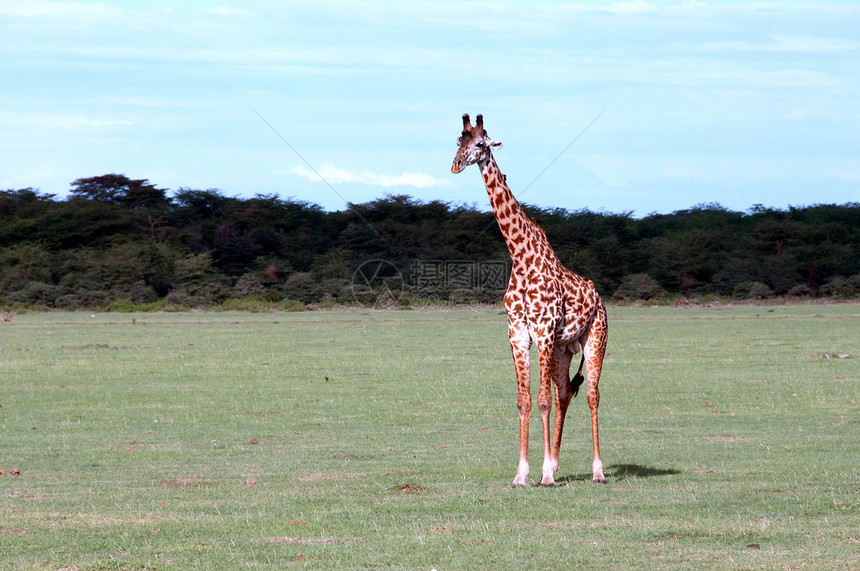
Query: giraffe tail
(577, 379)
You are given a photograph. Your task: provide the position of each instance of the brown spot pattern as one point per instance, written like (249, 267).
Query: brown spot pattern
(545, 302)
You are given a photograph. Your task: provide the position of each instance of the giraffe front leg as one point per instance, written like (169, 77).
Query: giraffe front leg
(547, 374)
(524, 404)
(524, 408)
(547, 478)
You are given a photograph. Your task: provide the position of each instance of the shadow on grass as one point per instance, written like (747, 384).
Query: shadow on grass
(624, 471)
(621, 472)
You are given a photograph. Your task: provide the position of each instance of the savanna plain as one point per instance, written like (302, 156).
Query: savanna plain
(356, 439)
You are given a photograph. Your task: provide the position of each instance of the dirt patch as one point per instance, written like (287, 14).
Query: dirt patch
(557, 525)
(408, 489)
(300, 540)
(333, 476)
(188, 483)
(358, 457)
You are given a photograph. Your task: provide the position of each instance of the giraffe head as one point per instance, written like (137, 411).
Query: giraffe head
(474, 145)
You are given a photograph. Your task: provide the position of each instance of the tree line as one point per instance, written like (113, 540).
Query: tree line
(121, 243)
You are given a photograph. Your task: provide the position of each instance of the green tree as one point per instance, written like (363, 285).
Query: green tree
(28, 262)
(119, 189)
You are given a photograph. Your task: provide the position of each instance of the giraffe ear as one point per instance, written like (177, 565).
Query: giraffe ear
(494, 145)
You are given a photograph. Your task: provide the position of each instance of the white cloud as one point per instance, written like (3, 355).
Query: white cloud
(633, 7)
(631, 171)
(32, 8)
(53, 122)
(89, 124)
(334, 175)
(797, 44)
(227, 11)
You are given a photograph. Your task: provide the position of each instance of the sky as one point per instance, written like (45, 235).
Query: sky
(640, 106)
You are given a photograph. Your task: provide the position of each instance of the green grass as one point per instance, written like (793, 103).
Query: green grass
(359, 439)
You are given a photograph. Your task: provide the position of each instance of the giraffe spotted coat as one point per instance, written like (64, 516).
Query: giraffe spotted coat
(548, 306)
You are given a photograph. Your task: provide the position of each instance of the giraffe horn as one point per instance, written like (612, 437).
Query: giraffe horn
(467, 124)
(479, 122)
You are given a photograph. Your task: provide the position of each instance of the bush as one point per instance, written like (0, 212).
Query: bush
(35, 293)
(292, 305)
(639, 286)
(250, 284)
(752, 290)
(274, 294)
(802, 290)
(254, 304)
(69, 301)
(126, 306)
(855, 282)
(11, 283)
(135, 293)
(335, 289)
(462, 296)
(83, 299)
(198, 296)
(194, 268)
(302, 286)
(841, 288)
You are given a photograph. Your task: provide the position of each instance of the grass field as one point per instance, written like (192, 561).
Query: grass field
(336, 440)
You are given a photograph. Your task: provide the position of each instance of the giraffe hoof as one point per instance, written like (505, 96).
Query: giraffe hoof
(600, 480)
(519, 482)
(549, 484)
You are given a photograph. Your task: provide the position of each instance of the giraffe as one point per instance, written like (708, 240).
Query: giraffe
(547, 305)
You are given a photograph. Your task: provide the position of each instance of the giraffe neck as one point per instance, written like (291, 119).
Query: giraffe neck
(517, 228)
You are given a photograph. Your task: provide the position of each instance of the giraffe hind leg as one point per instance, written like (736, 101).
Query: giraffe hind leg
(593, 352)
(563, 396)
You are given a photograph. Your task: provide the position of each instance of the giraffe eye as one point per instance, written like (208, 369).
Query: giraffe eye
(480, 144)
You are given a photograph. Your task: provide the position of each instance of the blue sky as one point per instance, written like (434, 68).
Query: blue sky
(740, 103)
